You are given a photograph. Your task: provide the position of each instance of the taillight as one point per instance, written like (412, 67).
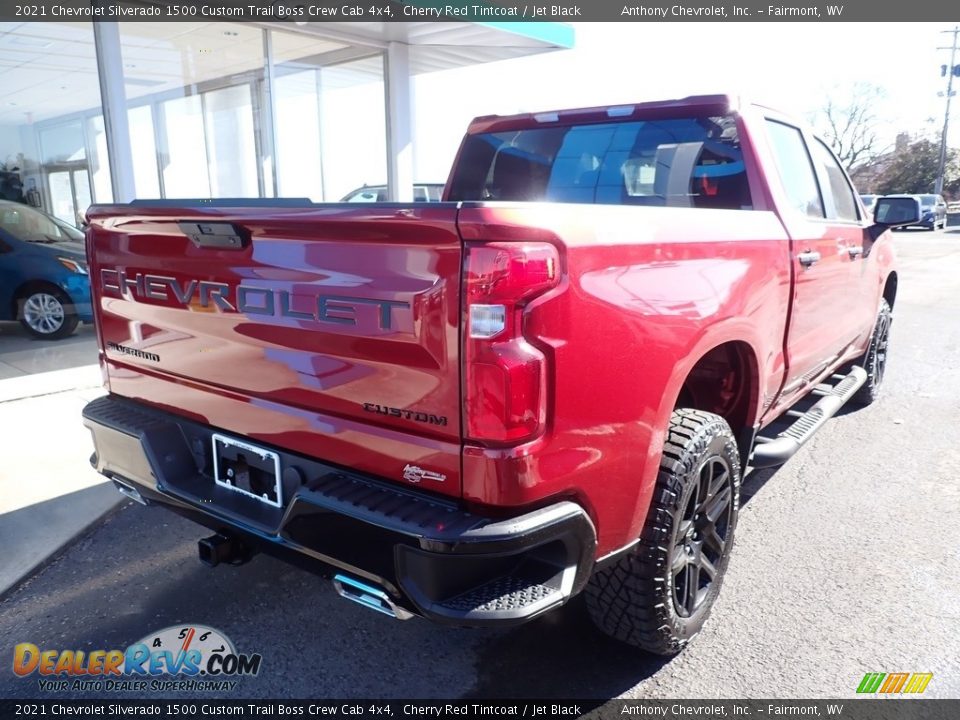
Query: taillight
(505, 376)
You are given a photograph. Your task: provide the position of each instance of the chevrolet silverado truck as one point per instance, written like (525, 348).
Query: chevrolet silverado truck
(547, 384)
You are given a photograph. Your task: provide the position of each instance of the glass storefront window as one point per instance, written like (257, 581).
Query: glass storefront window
(63, 143)
(191, 93)
(231, 149)
(299, 162)
(143, 149)
(53, 153)
(185, 153)
(99, 164)
(330, 125)
(201, 123)
(353, 124)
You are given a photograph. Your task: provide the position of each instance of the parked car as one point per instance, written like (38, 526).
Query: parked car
(43, 272)
(548, 384)
(426, 192)
(933, 212)
(869, 203)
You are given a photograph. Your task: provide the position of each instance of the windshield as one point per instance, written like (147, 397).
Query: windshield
(678, 162)
(29, 225)
(928, 200)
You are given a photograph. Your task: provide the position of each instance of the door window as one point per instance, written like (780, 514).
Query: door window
(795, 169)
(838, 188)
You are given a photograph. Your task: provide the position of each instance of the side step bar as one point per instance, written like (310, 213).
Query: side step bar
(770, 452)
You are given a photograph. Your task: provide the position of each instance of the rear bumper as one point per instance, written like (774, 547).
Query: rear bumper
(430, 556)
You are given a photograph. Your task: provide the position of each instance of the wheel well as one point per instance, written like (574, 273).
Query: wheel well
(890, 289)
(724, 382)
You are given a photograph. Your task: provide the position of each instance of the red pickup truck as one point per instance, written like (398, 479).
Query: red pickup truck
(551, 382)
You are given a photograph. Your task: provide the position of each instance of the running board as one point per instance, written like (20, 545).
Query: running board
(770, 452)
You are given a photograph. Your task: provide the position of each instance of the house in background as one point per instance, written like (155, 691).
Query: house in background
(867, 175)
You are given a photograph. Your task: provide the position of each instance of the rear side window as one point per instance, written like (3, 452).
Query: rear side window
(795, 169)
(685, 162)
(839, 189)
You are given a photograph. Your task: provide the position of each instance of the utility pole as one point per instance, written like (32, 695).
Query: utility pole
(938, 189)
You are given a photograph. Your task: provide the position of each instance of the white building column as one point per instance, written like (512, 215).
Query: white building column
(398, 84)
(113, 98)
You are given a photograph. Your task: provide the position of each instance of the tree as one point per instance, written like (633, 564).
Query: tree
(914, 170)
(848, 122)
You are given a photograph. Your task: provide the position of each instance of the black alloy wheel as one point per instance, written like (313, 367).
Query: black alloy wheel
(702, 535)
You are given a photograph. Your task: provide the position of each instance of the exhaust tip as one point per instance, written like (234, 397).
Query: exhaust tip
(371, 597)
(129, 491)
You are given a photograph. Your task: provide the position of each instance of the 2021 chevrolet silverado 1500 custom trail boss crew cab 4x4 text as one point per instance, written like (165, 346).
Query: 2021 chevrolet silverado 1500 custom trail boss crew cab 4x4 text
(548, 383)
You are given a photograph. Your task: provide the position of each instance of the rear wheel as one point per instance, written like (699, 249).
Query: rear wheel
(874, 361)
(659, 595)
(46, 312)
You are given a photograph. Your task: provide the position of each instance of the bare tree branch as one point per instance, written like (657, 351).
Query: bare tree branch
(848, 121)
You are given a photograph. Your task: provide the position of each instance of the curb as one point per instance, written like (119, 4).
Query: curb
(107, 501)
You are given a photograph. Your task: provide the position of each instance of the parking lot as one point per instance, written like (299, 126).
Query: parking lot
(847, 561)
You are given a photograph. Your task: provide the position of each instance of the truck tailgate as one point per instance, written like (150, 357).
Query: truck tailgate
(330, 331)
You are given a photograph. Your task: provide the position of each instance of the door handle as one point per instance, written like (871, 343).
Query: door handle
(855, 251)
(808, 257)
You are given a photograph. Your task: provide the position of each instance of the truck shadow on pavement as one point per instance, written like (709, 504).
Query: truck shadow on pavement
(138, 573)
(560, 656)
(754, 481)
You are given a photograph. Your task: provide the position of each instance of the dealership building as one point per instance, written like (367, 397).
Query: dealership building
(94, 112)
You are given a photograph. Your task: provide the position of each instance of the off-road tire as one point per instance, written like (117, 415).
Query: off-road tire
(874, 360)
(635, 599)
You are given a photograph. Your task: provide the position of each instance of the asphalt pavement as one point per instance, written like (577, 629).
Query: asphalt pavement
(847, 561)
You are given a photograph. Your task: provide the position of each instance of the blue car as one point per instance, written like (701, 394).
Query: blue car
(43, 272)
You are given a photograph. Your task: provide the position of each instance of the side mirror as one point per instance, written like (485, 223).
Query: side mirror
(896, 212)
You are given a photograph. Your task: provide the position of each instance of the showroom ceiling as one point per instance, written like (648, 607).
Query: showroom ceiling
(49, 69)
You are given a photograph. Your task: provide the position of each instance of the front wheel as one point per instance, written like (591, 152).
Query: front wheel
(47, 313)
(874, 360)
(658, 596)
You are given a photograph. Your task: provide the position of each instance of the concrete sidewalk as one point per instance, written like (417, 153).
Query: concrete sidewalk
(48, 491)
(23, 356)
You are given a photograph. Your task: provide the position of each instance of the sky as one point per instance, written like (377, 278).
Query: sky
(790, 66)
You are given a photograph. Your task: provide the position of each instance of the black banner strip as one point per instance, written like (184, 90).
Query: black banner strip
(301, 11)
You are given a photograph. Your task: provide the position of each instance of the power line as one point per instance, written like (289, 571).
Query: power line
(938, 189)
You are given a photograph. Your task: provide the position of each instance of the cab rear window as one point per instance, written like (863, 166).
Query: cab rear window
(680, 162)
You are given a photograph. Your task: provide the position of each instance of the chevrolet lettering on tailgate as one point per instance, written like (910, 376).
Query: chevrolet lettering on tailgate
(251, 300)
